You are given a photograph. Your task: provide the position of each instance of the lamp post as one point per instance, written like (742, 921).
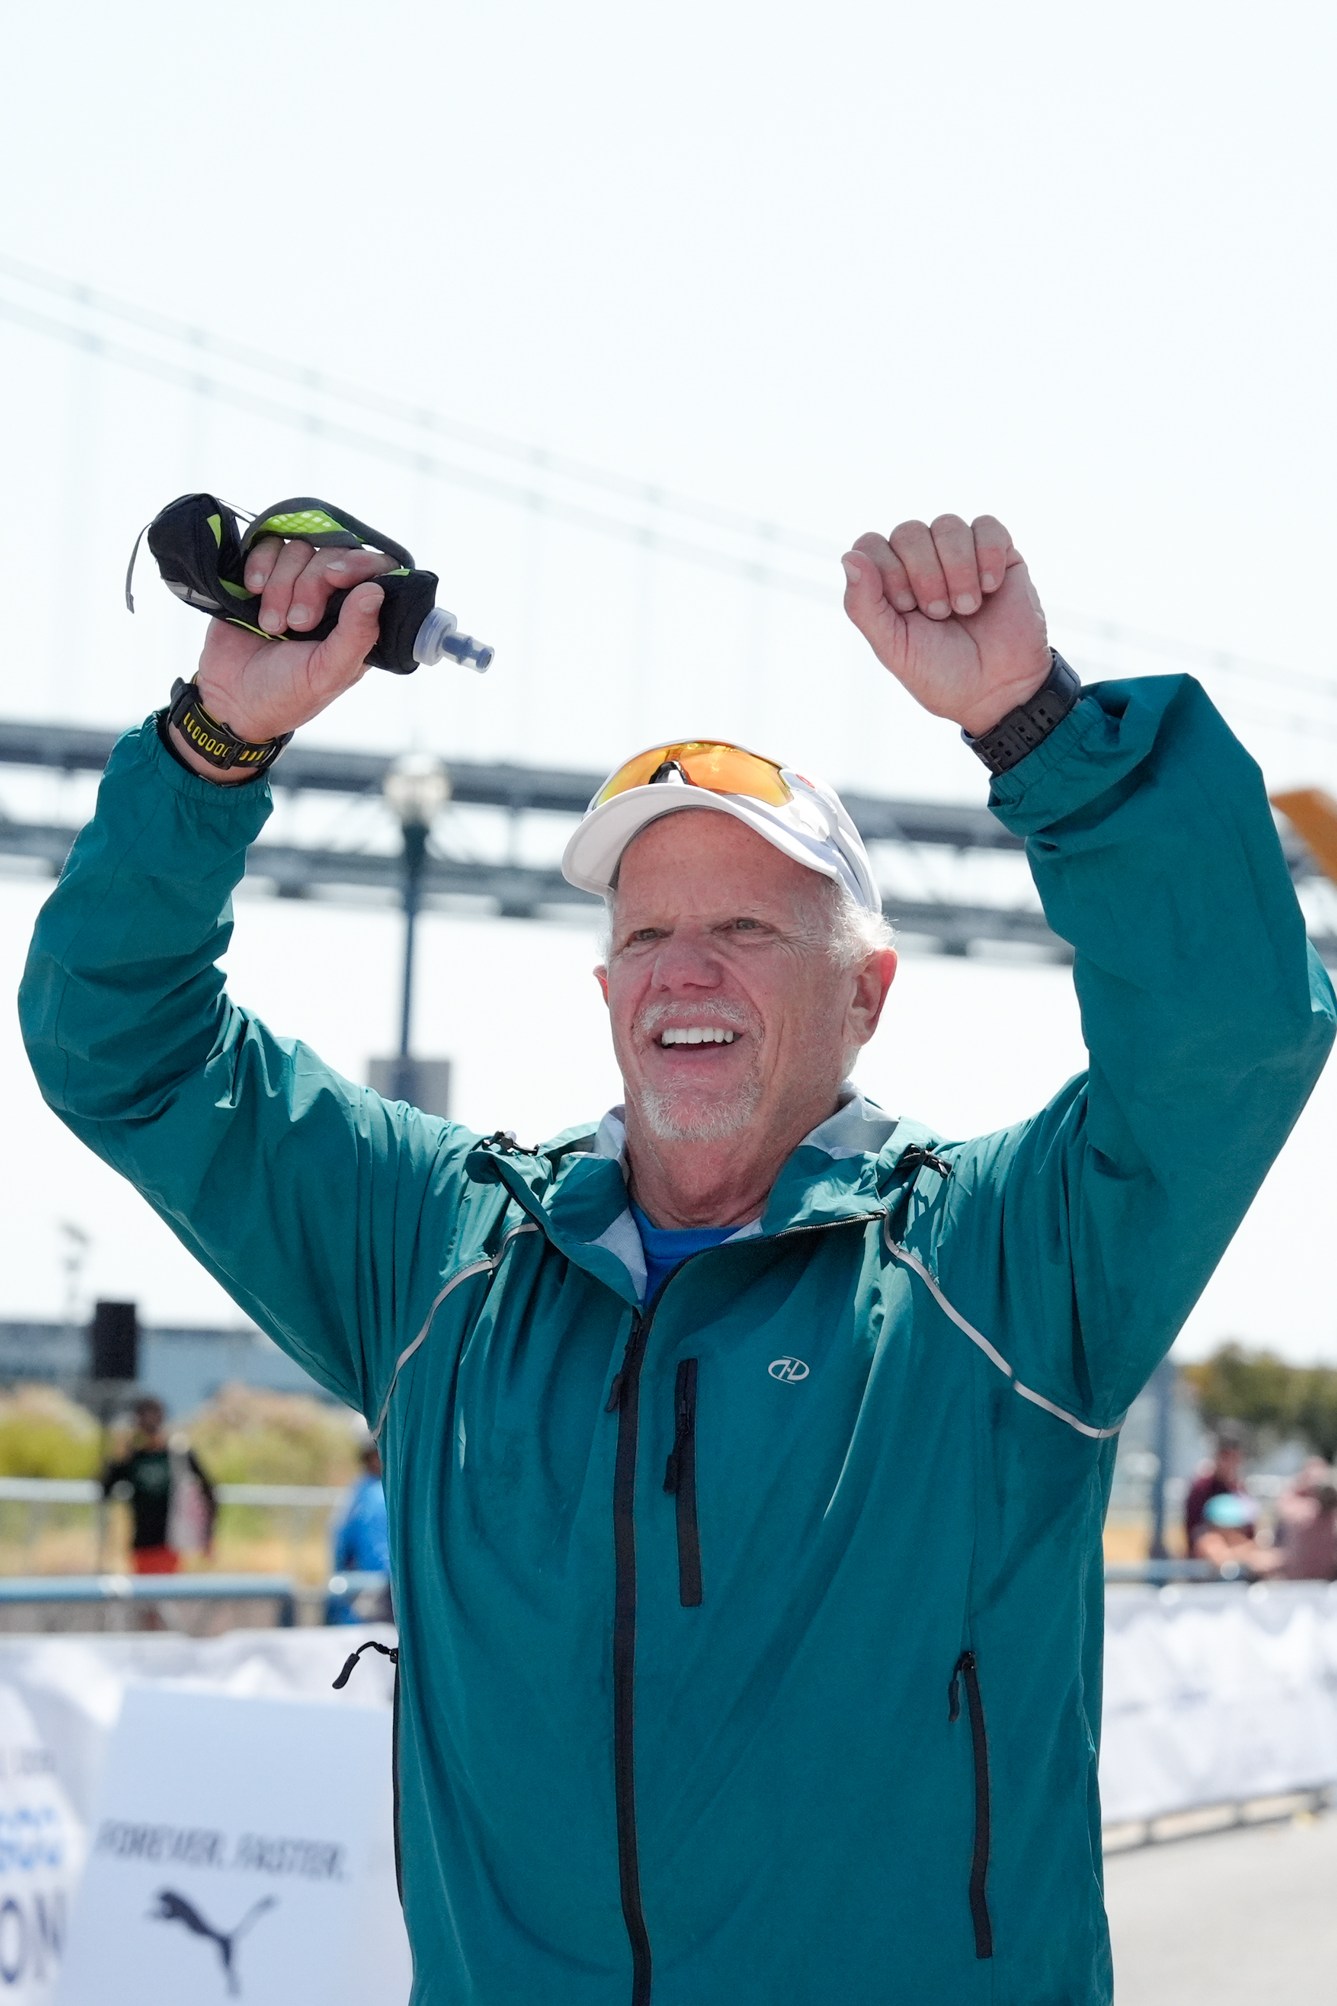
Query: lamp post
(417, 788)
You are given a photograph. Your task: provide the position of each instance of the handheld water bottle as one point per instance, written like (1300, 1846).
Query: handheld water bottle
(201, 553)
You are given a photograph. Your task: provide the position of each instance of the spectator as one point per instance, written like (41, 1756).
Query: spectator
(1307, 1524)
(1228, 1538)
(362, 1544)
(1223, 1476)
(172, 1503)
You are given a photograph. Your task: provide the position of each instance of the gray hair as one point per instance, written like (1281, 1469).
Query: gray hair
(855, 933)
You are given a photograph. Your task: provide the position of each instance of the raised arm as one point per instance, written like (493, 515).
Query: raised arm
(1079, 1240)
(301, 1192)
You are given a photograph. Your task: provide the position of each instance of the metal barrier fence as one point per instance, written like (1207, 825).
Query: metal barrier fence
(121, 1589)
(293, 1601)
(36, 1491)
(87, 1490)
(295, 1517)
(33, 1508)
(1157, 1573)
(34, 1500)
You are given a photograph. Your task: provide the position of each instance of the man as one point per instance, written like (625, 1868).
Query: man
(1222, 1477)
(749, 1623)
(172, 1504)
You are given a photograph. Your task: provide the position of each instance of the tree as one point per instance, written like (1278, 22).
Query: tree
(1267, 1396)
(1316, 1410)
(1250, 1387)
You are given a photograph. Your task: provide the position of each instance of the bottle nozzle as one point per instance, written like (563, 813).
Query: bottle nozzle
(439, 635)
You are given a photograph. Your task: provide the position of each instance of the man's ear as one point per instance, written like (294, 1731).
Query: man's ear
(601, 977)
(872, 985)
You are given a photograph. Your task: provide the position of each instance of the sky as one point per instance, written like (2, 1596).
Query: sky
(595, 309)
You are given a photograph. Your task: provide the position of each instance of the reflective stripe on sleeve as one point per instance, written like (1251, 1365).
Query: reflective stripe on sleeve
(991, 1352)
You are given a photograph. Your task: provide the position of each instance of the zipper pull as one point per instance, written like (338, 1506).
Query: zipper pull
(619, 1385)
(389, 1651)
(671, 1471)
(965, 1663)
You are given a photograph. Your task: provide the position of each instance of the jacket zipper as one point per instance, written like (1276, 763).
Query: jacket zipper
(967, 1671)
(623, 1400)
(680, 1483)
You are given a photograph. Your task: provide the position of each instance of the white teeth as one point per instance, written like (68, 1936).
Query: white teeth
(697, 1034)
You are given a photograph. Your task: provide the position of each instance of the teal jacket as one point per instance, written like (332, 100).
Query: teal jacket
(750, 1638)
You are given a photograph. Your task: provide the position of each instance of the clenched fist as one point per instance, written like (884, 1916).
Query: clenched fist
(949, 608)
(261, 689)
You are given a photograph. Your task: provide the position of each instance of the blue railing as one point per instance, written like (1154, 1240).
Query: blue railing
(1158, 1573)
(122, 1590)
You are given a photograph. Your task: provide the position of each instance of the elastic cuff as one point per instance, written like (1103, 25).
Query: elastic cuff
(1068, 738)
(1109, 734)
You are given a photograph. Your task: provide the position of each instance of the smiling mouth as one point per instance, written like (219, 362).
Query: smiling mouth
(695, 1034)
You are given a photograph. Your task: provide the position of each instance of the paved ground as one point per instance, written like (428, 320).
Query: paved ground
(1239, 1918)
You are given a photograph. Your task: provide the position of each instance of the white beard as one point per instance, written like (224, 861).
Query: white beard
(686, 1114)
(683, 1118)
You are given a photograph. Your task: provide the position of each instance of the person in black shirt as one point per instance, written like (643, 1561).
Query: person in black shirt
(172, 1503)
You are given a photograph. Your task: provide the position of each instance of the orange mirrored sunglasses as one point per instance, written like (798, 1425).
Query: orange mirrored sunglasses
(702, 762)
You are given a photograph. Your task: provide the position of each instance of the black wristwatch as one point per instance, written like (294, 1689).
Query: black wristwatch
(217, 743)
(1023, 728)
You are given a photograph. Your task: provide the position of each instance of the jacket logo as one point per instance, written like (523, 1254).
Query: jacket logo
(788, 1369)
(173, 1907)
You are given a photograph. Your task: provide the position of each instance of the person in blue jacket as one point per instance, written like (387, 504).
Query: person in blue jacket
(360, 1542)
(747, 1452)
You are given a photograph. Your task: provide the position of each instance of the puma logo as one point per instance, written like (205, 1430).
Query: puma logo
(175, 1908)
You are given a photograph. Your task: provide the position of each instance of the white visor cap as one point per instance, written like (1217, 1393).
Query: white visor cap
(812, 827)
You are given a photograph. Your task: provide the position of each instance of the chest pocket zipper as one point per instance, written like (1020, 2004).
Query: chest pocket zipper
(966, 1672)
(680, 1483)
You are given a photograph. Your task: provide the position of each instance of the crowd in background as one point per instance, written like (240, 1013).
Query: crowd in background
(173, 1509)
(1223, 1521)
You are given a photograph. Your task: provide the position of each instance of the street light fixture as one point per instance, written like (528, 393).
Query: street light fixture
(417, 788)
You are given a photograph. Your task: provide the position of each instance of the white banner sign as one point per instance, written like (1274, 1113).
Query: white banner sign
(239, 1850)
(1217, 1694)
(72, 1685)
(41, 1851)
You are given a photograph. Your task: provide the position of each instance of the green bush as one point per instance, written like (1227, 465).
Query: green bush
(45, 1434)
(247, 1435)
(244, 1435)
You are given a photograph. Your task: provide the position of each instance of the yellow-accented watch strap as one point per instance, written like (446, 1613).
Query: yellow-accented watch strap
(218, 743)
